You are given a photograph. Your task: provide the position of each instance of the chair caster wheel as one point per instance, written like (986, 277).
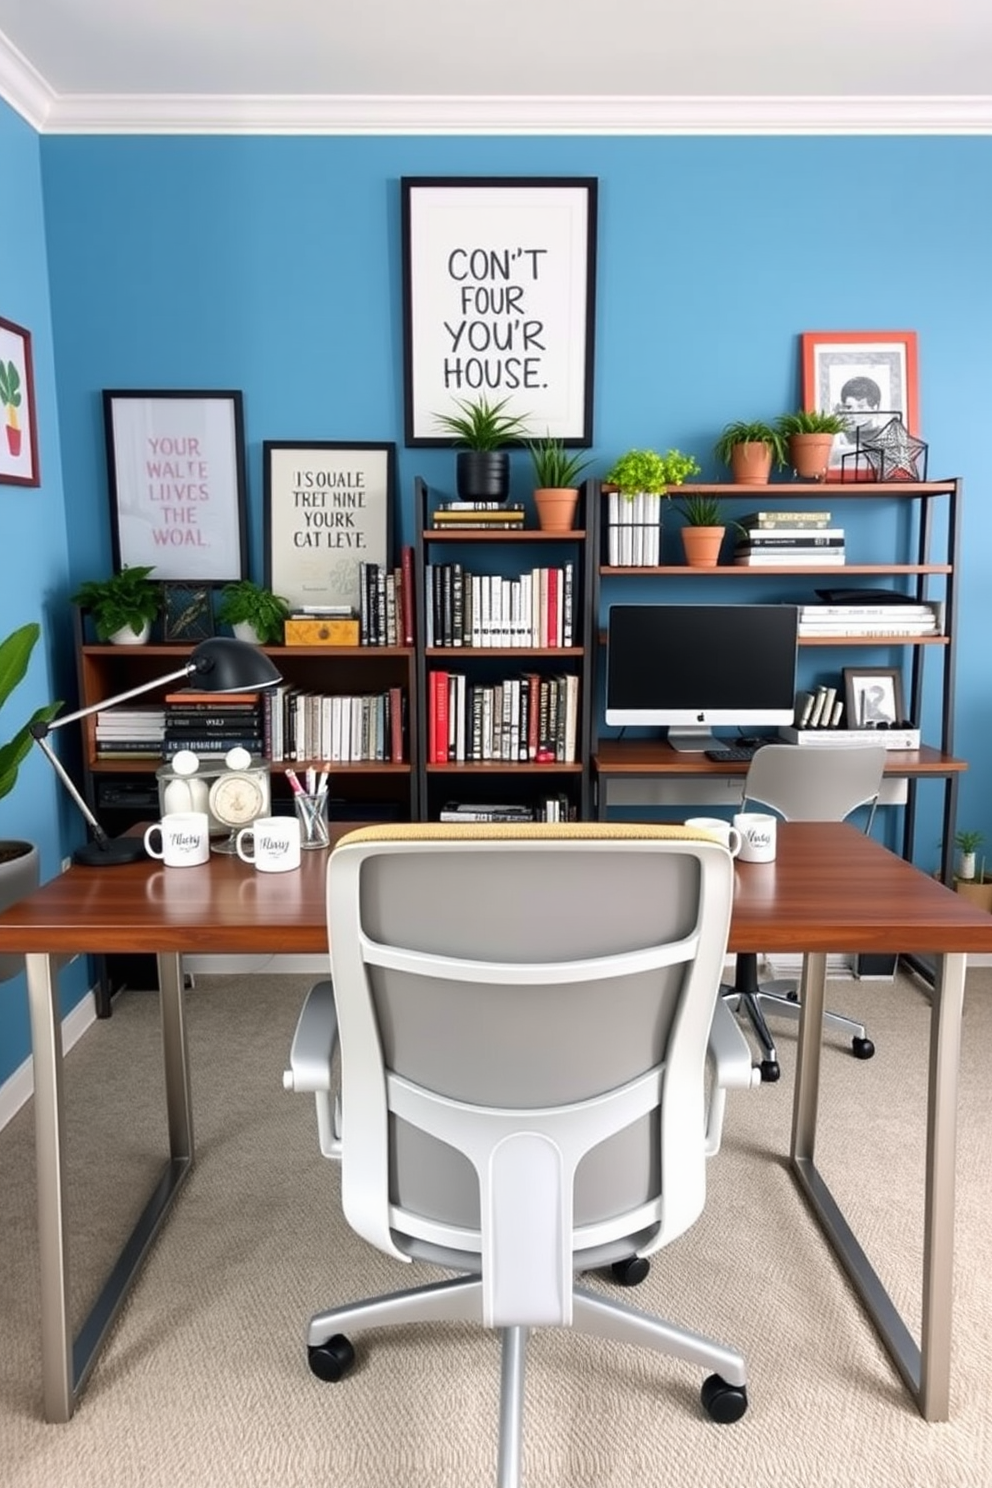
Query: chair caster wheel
(862, 1048)
(630, 1272)
(331, 1361)
(792, 996)
(723, 1403)
(770, 1071)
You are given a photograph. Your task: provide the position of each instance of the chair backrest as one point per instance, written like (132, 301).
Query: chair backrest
(523, 1015)
(816, 782)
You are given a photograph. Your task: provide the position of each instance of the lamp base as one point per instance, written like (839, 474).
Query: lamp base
(110, 854)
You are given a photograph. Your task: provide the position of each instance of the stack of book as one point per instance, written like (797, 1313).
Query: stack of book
(130, 733)
(479, 516)
(872, 619)
(767, 539)
(212, 723)
(548, 809)
(489, 610)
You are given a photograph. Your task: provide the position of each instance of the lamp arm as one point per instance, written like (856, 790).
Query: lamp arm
(66, 780)
(40, 730)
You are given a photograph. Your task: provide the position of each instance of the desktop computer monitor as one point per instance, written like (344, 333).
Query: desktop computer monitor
(693, 667)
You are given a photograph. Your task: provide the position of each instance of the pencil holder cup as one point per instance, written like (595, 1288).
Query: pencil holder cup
(311, 813)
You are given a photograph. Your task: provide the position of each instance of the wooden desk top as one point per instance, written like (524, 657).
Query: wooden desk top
(657, 757)
(830, 889)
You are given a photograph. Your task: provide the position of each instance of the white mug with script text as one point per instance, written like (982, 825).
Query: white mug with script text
(728, 835)
(271, 844)
(180, 840)
(757, 831)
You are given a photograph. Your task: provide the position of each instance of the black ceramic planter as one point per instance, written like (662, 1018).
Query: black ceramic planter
(483, 475)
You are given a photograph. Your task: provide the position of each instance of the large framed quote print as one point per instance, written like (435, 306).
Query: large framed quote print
(499, 288)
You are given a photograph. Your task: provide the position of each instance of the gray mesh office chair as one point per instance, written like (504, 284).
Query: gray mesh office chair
(526, 1016)
(822, 782)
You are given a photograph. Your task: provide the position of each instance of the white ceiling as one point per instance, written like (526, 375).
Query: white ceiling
(562, 65)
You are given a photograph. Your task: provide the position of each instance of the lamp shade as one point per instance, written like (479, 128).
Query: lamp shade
(223, 664)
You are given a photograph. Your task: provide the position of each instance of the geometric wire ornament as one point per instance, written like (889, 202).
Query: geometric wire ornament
(890, 453)
(189, 613)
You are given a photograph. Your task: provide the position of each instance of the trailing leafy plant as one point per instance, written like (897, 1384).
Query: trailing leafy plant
(810, 421)
(15, 653)
(243, 602)
(126, 601)
(554, 468)
(701, 511)
(755, 432)
(647, 470)
(481, 425)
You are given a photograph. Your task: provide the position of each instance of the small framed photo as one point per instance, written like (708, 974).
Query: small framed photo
(188, 612)
(873, 697)
(176, 466)
(19, 431)
(868, 377)
(328, 509)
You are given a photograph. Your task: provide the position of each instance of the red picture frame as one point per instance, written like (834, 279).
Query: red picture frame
(18, 416)
(871, 375)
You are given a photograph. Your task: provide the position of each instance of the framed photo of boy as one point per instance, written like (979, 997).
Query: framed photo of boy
(176, 469)
(873, 697)
(19, 431)
(328, 509)
(867, 377)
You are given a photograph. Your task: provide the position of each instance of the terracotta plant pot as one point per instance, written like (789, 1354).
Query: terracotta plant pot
(751, 463)
(556, 507)
(809, 455)
(702, 546)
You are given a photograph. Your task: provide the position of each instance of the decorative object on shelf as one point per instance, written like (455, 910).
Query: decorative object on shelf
(499, 289)
(640, 480)
(124, 606)
(702, 535)
(239, 795)
(890, 453)
(809, 436)
(483, 429)
(750, 449)
(556, 492)
(967, 844)
(328, 506)
(176, 468)
(866, 377)
(187, 612)
(873, 698)
(219, 664)
(19, 440)
(254, 612)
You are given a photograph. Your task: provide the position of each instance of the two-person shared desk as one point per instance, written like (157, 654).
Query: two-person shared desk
(830, 889)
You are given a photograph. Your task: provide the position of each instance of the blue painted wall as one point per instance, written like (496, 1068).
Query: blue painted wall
(33, 550)
(273, 265)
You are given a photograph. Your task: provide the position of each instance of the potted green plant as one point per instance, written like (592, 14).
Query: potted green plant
(971, 880)
(483, 429)
(636, 483)
(124, 606)
(967, 844)
(749, 449)
(253, 612)
(704, 528)
(556, 477)
(809, 437)
(19, 859)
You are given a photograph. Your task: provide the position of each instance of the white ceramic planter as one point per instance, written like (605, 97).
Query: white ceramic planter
(243, 631)
(127, 637)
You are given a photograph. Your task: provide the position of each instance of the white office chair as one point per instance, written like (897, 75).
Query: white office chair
(525, 1016)
(823, 782)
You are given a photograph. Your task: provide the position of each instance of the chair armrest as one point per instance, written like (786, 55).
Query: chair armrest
(732, 1070)
(310, 1063)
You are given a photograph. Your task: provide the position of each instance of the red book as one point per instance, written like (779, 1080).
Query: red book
(439, 729)
(554, 626)
(406, 594)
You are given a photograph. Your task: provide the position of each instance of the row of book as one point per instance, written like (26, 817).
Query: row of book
(820, 708)
(479, 516)
(633, 534)
(517, 720)
(536, 609)
(338, 728)
(385, 611)
(556, 808)
(870, 619)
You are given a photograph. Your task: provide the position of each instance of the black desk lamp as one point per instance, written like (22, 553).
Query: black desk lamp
(219, 664)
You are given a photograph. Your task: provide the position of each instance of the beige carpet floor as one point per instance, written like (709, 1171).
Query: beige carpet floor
(204, 1378)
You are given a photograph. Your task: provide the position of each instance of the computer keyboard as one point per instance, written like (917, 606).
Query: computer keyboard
(733, 754)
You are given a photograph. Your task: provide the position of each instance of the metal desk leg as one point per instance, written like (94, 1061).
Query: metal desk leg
(925, 1368)
(66, 1366)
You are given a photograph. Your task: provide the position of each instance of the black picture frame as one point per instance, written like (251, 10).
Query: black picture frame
(187, 612)
(499, 300)
(176, 472)
(328, 507)
(873, 697)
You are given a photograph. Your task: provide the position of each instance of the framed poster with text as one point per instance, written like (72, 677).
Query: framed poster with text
(499, 290)
(176, 466)
(328, 508)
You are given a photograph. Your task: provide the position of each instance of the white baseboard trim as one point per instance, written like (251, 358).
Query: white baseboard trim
(18, 1088)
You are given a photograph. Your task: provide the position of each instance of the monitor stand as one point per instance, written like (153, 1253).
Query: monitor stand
(693, 741)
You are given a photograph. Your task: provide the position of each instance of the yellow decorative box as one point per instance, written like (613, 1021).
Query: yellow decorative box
(321, 632)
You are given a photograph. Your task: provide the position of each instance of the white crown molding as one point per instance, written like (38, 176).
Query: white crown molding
(23, 87)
